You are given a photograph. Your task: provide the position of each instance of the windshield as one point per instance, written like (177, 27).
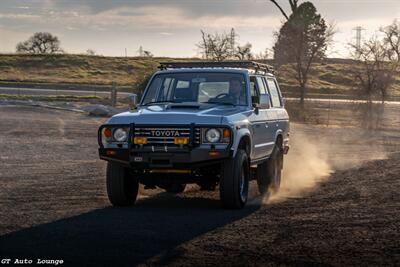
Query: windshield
(217, 88)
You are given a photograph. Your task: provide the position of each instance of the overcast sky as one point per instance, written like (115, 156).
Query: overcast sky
(172, 27)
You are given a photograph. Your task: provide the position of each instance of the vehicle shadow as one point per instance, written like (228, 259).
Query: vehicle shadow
(121, 236)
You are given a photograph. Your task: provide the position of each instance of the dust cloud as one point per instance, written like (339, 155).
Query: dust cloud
(304, 167)
(316, 152)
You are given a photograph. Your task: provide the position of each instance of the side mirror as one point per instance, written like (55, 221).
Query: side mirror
(264, 101)
(133, 101)
(255, 101)
(283, 102)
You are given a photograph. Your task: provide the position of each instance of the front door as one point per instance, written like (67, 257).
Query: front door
(260, 123)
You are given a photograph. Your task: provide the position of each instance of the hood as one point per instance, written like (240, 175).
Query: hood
(182, 113)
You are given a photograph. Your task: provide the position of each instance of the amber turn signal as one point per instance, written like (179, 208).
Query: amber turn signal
(181, 140)
(107, 132)
(111, 153)
(140, 140)
(226, 133)
(214, 154)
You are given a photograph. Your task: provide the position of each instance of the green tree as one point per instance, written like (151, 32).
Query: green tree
(302, 40)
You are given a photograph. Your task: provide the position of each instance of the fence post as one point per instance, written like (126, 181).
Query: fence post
(113, 95)
(329, 111)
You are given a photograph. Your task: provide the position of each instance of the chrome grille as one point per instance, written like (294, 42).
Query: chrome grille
(164, 136)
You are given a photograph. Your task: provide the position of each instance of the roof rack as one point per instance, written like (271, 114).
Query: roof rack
(242, 64)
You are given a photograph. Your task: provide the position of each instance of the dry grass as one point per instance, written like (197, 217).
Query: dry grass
(333, 77)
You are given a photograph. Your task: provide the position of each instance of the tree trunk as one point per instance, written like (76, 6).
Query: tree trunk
(302, 94)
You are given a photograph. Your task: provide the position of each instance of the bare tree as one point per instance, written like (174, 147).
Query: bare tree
(147, 53)
(392, 40)
(90, 52)
(377, 68)
(218, 46)
(144, 53)
(244, 52)
(223, 46)
(293, 7)
(40, 43)
(378, 62)
(263, 55)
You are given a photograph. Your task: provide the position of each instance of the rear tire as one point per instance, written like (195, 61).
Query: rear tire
(122, 187)
(263, 180)
(269, 172)
(234, 183)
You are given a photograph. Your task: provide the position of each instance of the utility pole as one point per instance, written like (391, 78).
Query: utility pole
(140, 51)
(358, 30)
(126, 53)
(233, 41)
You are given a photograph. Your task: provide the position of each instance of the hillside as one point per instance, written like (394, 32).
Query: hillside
(334, 77)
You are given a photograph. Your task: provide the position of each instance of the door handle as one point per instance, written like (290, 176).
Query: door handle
(266, 125)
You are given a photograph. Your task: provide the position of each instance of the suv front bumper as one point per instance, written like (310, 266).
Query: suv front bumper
(164, 156)
(146, 158)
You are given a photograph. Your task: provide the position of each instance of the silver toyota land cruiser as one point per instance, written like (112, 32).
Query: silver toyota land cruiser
(215, 124)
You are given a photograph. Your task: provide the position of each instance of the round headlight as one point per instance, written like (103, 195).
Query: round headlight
(213, 135)
(120, 135)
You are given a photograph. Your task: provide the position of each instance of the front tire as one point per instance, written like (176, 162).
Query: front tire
(234, 183)
(122, 186)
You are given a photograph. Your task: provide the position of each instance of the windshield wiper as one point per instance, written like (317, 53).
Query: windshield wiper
(221, 103)
(158, 102)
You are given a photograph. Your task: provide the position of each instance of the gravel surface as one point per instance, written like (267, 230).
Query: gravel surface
(53, 203)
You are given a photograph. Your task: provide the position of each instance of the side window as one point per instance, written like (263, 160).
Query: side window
(273, 90)
(261, 85)
(253, 88)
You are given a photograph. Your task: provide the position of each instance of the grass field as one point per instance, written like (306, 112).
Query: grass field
(333, 77)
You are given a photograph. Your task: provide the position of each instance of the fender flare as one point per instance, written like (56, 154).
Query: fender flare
(238, 136)
(277, 133)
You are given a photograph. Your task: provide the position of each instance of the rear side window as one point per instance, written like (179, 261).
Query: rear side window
(273, 90)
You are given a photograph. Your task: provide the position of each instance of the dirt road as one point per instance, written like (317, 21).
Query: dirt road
(53, 203)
